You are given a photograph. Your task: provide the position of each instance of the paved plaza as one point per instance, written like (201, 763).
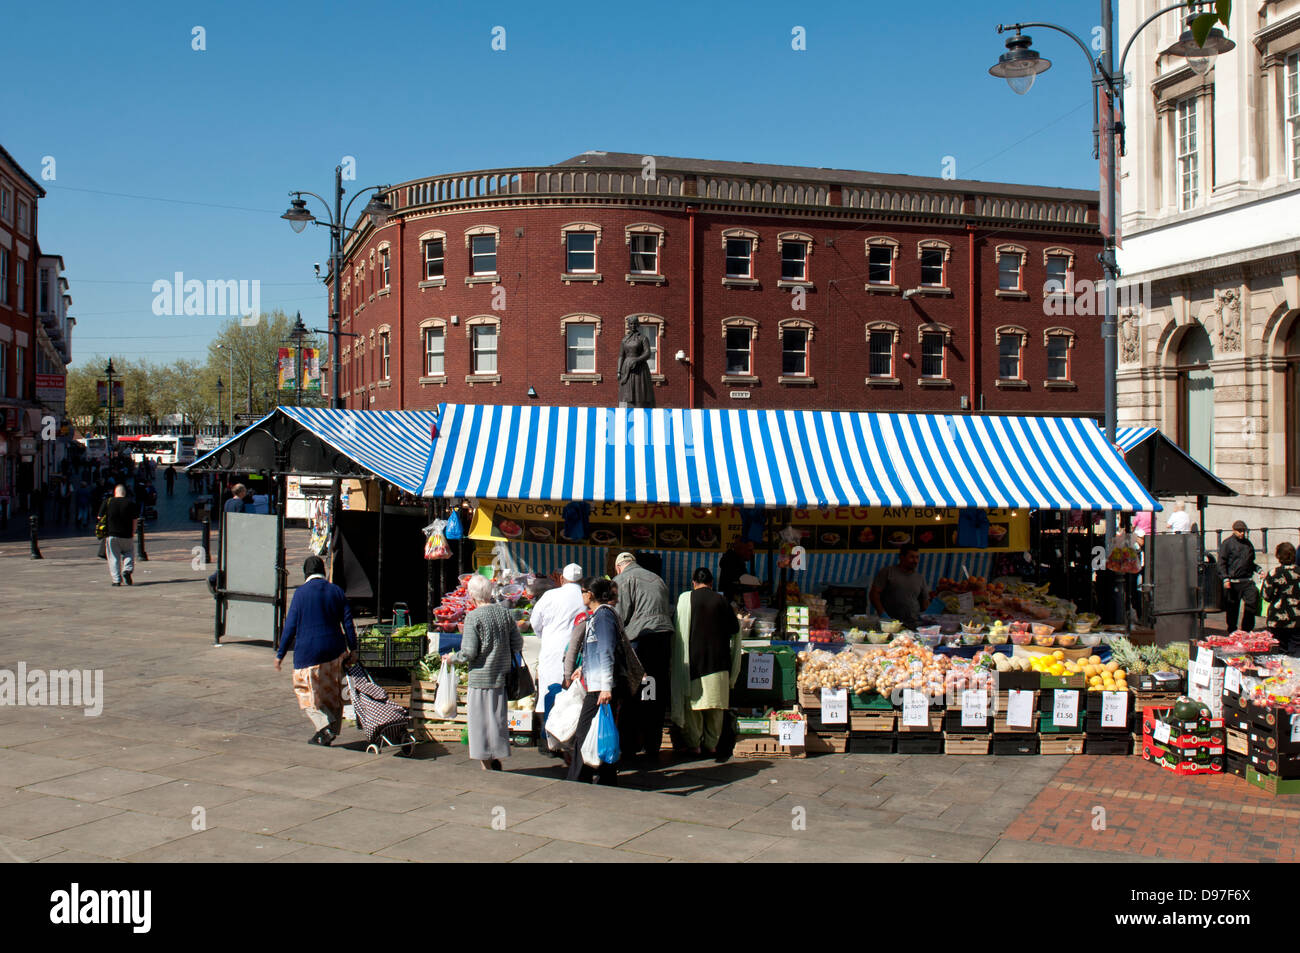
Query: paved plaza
(200, 754)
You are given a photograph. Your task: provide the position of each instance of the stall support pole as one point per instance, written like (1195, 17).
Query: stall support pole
(433, 572)
(379, 575)
(1201, 613)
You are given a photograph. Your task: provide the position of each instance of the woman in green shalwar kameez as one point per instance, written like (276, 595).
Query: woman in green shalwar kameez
(705, 662)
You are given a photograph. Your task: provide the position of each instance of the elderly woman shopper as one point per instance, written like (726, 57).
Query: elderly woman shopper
(318, 627)
(488, 647)
(1281, 590)
(603, 633)
(705, 663)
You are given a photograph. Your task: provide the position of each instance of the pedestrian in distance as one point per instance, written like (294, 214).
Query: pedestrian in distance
(169, 475)
(706, 663)
(1237, 567)
(318, 627)
(488, 647)
(121, 514)
(83, 505)
(1281, 590)
(645, 609)
(238, 502)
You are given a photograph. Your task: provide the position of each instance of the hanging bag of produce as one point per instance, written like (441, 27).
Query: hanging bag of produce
(606, 735)
(1124, 556)
(444, 701)
(591, 744)
(562, 722)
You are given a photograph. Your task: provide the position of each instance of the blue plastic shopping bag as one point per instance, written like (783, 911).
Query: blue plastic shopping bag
(607, 735)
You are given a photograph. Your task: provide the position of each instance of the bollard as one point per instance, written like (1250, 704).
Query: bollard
(207, 540)
(36, 549)
(139, 535)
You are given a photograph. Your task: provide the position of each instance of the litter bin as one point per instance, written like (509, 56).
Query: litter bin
(1212, 585)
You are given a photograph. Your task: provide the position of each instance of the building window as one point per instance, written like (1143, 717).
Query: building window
(1293, 112)
(794, 261)
(1010, 346)
(6, 209)
(580, 348)
(23, 212)
(435, 352)
(932, 354)
(932, 268)
(794, 352)
(880, 264)
(740, 263)
(1010, 270)
(484, 357)
(384, 353)
(881, 348)
(645, 254)
(650, 330)
(1058, 274)
(483, 254)
(581, 249)
(433, 258)
(1188, 154)
(4, 369)
(383, 264)
(44, 284)
(4, 276)
(1058, 357)
(20, 371)
(21, 275)
(739, 346)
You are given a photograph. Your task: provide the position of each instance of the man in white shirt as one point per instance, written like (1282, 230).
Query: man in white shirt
(552, 622)
(1179, 521)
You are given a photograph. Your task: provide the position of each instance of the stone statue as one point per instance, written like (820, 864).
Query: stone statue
(635, 389)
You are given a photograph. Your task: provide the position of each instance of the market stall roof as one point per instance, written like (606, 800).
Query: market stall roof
(394, 445)
(777, 458)
(1164, 468)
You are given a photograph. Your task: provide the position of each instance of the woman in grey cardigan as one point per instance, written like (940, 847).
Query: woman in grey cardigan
(490, 642)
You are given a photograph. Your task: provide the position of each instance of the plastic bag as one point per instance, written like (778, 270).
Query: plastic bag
(606, 735)
(562, 722)
(1124, 555)
(444, 701)
(435, 547)
(453, 530)
(591, 746)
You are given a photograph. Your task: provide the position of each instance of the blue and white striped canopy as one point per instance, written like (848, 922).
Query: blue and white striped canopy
(393, 444)
(777, 458)
(1129, 437)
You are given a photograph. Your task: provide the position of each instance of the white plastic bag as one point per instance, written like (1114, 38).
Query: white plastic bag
(444, 701)
(591, 747)
(562, 722)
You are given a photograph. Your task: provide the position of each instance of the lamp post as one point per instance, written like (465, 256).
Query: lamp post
(220, 426)
(1020, 66)
(298, 217)
(230, 377)
(296, 335)
(109, 371)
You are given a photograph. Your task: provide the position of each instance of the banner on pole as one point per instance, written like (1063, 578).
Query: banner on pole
(311, 377)
(287, 371)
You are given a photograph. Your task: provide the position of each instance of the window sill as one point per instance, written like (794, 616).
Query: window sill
(740, 282)
(884, 382)
(933, 382)
(1011, 384)
(432, 283)
(659, 378)
(644, 279)
(493, 279)
(384, 292)
(1060, 385)
(385, 383)
(1022, 295)
(801, 380)
(882, 289)
(372, 297)
(433, 380)
(570, 277)
(482, 378)
(932, 290)
(739, 379)
(791, 283)
(588, 378)
(370, 387)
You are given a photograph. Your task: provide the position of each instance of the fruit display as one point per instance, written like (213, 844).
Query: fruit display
(1149, 658)
(1242, 641)
(1101, 676)
(825, 637)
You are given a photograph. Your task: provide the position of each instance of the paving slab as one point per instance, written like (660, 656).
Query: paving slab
(43, 814)
(479, 809)
(316, 854)
(1017, 852)
(358, 829)
(460, 842)
(225, 769)
(98, 784)
(15, 850)
(564, 852)
(120, 835)
(269, 813)
(21, 768)
(396, 797)
(699, 842)
(588, 826)
(177, 798)
(77, 857)
(217, 845)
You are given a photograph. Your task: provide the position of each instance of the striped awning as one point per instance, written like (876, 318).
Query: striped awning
(777, 458)
(1129, 437)
(392, 444)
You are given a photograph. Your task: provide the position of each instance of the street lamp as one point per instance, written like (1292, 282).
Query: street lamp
(220, 387)
(109, 371)
(1021, 64)
(298, 218)
(231, 377)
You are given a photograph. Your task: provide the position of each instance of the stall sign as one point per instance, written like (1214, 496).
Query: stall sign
(790, 733)
(1020, 709)
(1232, 681)
(1114, 709)
(835, 706)
(760, 670)
(974, 708)
(1065, 707)
(916, 708)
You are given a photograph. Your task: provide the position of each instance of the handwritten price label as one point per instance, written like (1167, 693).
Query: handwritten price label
(1161, 734)
(974, 709)
(916, 709)
(790, 733)
(835, 706)
(1065, 707)
(1295, 729)
(760, 671)
(1020, 709)
(1232, 681)
(1114, 709)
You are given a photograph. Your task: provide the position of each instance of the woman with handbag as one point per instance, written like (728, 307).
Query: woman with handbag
(1281, 590)
(597, 672)
(489, 646)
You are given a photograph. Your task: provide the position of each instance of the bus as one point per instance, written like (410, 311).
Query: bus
(96, 448)
(160, 448)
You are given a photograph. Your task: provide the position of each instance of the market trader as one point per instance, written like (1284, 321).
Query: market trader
(901, 592)
(646, 610)
(734, 564)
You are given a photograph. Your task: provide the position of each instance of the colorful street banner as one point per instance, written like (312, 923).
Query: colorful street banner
(287, 369)
(101, 390)
(837, 529)
(311, 379)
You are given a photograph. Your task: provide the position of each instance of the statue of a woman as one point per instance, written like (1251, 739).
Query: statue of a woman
(635, 389)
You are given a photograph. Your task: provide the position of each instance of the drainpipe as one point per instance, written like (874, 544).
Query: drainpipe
(399, 352)
(690, 304)
(971, 351)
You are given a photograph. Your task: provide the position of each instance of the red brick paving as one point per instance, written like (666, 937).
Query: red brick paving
(1150, 812)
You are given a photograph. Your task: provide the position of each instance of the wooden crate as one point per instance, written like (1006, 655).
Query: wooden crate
(834, 743)
(965, 744)
(447, 732)
(1001, 727)
(809, 699)
(1060, 744)
(1143, 700)
(870, 720)
(935, 722)
(758, 747)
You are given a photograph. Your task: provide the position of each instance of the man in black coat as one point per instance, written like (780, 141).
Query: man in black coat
(1237, 567)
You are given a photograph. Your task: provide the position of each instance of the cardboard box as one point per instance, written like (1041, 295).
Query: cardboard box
(871, 744)
(1107, 743)
(1271, 784)
(1237, 742)
(1017, 744)
(954, 743)
(816, 742)
(1060, 744)
(359, 495)
(920, 743)
(1284, 766)
(1274, 729)
(872, 722)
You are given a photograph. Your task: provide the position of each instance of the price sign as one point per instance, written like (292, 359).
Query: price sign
(760, 670)
(1065, 707)
(916, 708)
(835, 706)
(1205, 656)
(1200, 674)
(1232, 680)
(1295, 729)
(790, 733)
(1161, 734)
(521, 720)
(1020, 709)
(1114, 709)
(965, 603)
(974, 709)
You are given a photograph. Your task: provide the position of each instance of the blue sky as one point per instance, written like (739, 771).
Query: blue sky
(132, 115)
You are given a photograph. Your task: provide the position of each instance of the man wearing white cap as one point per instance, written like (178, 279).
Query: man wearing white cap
(552, 622)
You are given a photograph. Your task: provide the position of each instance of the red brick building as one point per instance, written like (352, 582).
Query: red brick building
(758, 286)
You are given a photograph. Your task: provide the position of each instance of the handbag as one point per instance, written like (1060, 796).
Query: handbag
(519, 680)
(627, 665)
(101, 522)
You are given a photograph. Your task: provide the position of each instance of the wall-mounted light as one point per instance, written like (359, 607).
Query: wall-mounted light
(532, 392)
(681, 356)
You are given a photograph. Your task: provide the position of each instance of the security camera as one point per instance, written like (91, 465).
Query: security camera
(317, 267)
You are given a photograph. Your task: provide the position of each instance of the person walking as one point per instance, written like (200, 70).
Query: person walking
(488, 647)
(646, 612)
(1237, 567)
(238, 502)
(706, 663)
(121, 513)
(552, 621)
(169, 476)
(83, 505)
(597, 674)
(1281, 590)
(318, 627)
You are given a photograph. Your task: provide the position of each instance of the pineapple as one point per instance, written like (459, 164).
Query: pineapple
(1123, 652)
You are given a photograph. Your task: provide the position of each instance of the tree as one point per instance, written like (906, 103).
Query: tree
(254, 352)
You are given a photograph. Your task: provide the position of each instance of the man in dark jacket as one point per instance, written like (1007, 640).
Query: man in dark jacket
(318, 627)
(1237, 567)
(646, 611)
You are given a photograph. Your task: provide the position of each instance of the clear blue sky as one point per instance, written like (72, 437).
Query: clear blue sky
(132, 115)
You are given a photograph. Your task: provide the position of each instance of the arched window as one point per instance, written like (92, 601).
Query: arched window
(1196, 396)
(1293, 409)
